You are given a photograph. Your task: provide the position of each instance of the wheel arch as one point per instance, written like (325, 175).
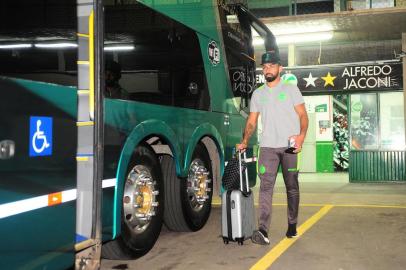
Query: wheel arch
(146, 132)
(209, 136)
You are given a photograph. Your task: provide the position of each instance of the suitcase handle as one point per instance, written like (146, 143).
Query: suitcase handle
(246, 172)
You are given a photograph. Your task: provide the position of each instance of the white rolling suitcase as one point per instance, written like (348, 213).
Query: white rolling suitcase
(237, 207)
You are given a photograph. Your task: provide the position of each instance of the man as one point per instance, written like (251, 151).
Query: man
(284, 118)
(113, 75)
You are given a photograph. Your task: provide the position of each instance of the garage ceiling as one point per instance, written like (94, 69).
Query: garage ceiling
(350, 26)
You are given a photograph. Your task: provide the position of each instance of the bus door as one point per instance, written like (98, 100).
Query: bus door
(89, 155)
(239, 54)
(237, 24)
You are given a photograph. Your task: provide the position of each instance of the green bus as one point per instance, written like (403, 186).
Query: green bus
(85, 173)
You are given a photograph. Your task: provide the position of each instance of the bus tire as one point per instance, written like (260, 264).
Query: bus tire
(143, 204)
(173, 215)
(198, 189)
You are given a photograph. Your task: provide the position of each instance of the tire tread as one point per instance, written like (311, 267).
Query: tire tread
(173, 213)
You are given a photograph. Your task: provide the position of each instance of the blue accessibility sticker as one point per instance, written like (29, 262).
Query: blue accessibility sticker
(40, 136)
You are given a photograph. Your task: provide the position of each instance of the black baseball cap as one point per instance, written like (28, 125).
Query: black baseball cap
(271, 57)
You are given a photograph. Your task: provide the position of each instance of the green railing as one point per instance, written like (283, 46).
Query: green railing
(377, 166)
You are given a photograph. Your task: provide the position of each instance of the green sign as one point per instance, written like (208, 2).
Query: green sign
(356, 106)
(321, 108)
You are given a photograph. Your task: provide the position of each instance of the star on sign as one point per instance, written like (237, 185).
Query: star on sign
(310, 80)
(329, 79)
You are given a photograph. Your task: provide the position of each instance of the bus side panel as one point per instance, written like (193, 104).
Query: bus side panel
(225, 113)
(39, 239)
(121, 118)
(39, 179)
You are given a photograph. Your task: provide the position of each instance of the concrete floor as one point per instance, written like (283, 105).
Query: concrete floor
(363, 227)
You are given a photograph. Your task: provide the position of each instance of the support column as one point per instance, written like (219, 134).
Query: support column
(339, 5)
(291, 55)
(404, 79)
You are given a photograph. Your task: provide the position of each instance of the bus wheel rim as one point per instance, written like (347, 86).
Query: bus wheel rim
(140, 199)
(198, 182)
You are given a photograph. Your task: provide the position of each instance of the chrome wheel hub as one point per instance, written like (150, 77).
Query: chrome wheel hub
(198, 184)
(140, 198)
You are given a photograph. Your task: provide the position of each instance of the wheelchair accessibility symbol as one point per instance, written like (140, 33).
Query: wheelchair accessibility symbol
(40, 136)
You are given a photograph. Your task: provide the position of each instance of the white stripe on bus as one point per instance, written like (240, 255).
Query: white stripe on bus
(26, 205)
(109, 183)
(68, 195)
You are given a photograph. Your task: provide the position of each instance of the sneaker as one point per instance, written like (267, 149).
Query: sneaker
(291, 233)
(260, 237)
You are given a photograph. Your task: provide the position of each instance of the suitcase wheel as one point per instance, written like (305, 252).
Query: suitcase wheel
(225, 241)
(240, 242)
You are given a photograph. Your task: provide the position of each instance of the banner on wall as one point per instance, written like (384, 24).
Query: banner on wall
(339, 78)
(322, 107)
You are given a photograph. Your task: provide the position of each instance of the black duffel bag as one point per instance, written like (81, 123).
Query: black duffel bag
(231, 176)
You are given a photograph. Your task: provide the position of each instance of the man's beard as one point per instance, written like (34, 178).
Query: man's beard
(270, 78)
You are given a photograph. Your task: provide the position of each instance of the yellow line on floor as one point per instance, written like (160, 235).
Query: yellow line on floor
(348, 205)
(371, 206)
(266, 261)
(216, 203)
(303, 204)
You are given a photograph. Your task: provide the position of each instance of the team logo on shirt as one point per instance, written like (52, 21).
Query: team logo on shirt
(282, 96)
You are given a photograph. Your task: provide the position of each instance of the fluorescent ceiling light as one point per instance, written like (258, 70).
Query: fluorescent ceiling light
(15, 46)
(297, 38)
(298, 32)
(119, 48)
(304, 37)
(56, 45)
(305, 27)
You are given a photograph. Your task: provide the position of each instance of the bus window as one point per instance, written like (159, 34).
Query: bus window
(160, 58)
(41, 48)
(241, 71)
(189, 81)
(239, 52)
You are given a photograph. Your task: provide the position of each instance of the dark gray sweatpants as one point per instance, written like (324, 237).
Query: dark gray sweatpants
(269, 160)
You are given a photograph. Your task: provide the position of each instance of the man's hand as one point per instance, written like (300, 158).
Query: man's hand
(299, 139)
(241, 146)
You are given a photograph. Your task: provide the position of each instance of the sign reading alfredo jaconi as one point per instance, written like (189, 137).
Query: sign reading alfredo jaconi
(354, 77)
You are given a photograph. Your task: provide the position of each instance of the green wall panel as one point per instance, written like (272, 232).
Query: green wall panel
(377, 166)
(324, 157)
